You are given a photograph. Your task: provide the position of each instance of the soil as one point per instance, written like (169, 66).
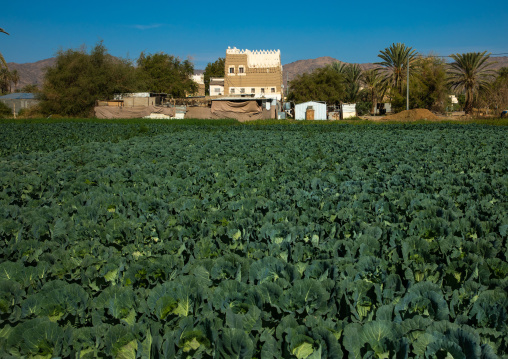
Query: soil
(413, 115)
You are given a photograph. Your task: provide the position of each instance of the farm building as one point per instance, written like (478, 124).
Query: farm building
(19, 101)
(253, 73)
(306, 110)
(348, 110)
(216, 86)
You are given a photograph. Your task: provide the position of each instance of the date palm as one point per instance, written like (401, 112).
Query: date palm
(469, 73)
(395, 61)
(373, 82)
(352, 74)
(2, 60)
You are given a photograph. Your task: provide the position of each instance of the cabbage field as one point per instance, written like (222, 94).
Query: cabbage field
(152, 240)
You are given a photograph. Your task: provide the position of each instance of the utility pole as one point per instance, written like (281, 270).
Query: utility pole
(407, 99)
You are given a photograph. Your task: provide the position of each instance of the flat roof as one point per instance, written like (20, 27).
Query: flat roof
(18, 96)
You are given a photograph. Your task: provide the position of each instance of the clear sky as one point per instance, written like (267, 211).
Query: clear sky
(350, 31)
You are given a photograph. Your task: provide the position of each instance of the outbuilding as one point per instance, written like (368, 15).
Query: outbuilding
(311, 110)
(19, 101)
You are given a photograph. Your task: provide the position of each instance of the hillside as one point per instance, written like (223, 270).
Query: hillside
(289, 71)
(32, 72)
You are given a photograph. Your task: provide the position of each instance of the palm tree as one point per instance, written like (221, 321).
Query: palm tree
(352, 74)
(395, 60)
(2, 60)
(5, 78)
(469, 73)
(14, 79)
(374, 83)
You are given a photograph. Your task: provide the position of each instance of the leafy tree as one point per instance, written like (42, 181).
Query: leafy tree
(5, 110)
(428, 88)
(496, 94)
(30, 88)
(469, 73)
(323, 84)
(214, 69)
(395, 61)
(165, 73)
(78, 79)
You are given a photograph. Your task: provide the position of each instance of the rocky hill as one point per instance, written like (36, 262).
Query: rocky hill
(31, 73)
(289, 71)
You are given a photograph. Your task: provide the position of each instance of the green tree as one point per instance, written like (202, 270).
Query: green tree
(428, 89)
(214, 69)
(352, 75)
(30, 88)
(496, 95)
(469, 73)
(78, 79)
(323, 84)
(5, 79)
(395, 61)
(166, 74)
(373, 82)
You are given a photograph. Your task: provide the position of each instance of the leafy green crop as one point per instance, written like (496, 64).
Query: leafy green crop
(280, 241)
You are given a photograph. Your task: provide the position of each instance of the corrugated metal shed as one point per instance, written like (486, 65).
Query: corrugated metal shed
(319, 110)
(18, 96)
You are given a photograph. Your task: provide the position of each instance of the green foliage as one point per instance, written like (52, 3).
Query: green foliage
(395, 61)
(79, 79)
(469, 74)
(5, 111)
(165, 74)
(363, 108)
(323, 84)
(428, 89)
(260, 241)
(214, 69)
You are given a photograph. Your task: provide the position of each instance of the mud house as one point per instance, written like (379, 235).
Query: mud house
(255, 74)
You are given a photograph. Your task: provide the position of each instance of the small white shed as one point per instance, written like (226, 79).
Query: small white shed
(318, 107)
(348, 110)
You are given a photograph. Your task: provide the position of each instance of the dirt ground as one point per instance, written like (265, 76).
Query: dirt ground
(409, 115)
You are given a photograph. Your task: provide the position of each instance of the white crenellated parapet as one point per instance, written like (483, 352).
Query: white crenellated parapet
(258, 58)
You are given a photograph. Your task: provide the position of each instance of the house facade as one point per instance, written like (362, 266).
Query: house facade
(216, 86)
(255, 74)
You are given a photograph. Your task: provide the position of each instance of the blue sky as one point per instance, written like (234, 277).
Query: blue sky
(352, 31)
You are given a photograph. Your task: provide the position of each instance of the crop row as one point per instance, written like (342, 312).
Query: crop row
(258, 242)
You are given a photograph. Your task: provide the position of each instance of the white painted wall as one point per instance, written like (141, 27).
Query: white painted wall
(319, 110)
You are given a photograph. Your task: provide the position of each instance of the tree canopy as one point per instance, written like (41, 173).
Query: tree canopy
(166, 74)
(469, 73)
(78, 79)
(323, 84)
(214, 69)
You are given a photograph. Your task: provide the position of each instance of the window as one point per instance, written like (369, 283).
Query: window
(231, 90)
(242, 90)
(231, 69)
(262, 90)
(253, 90)
(241, 70)
(217, 89)
(273, 89)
